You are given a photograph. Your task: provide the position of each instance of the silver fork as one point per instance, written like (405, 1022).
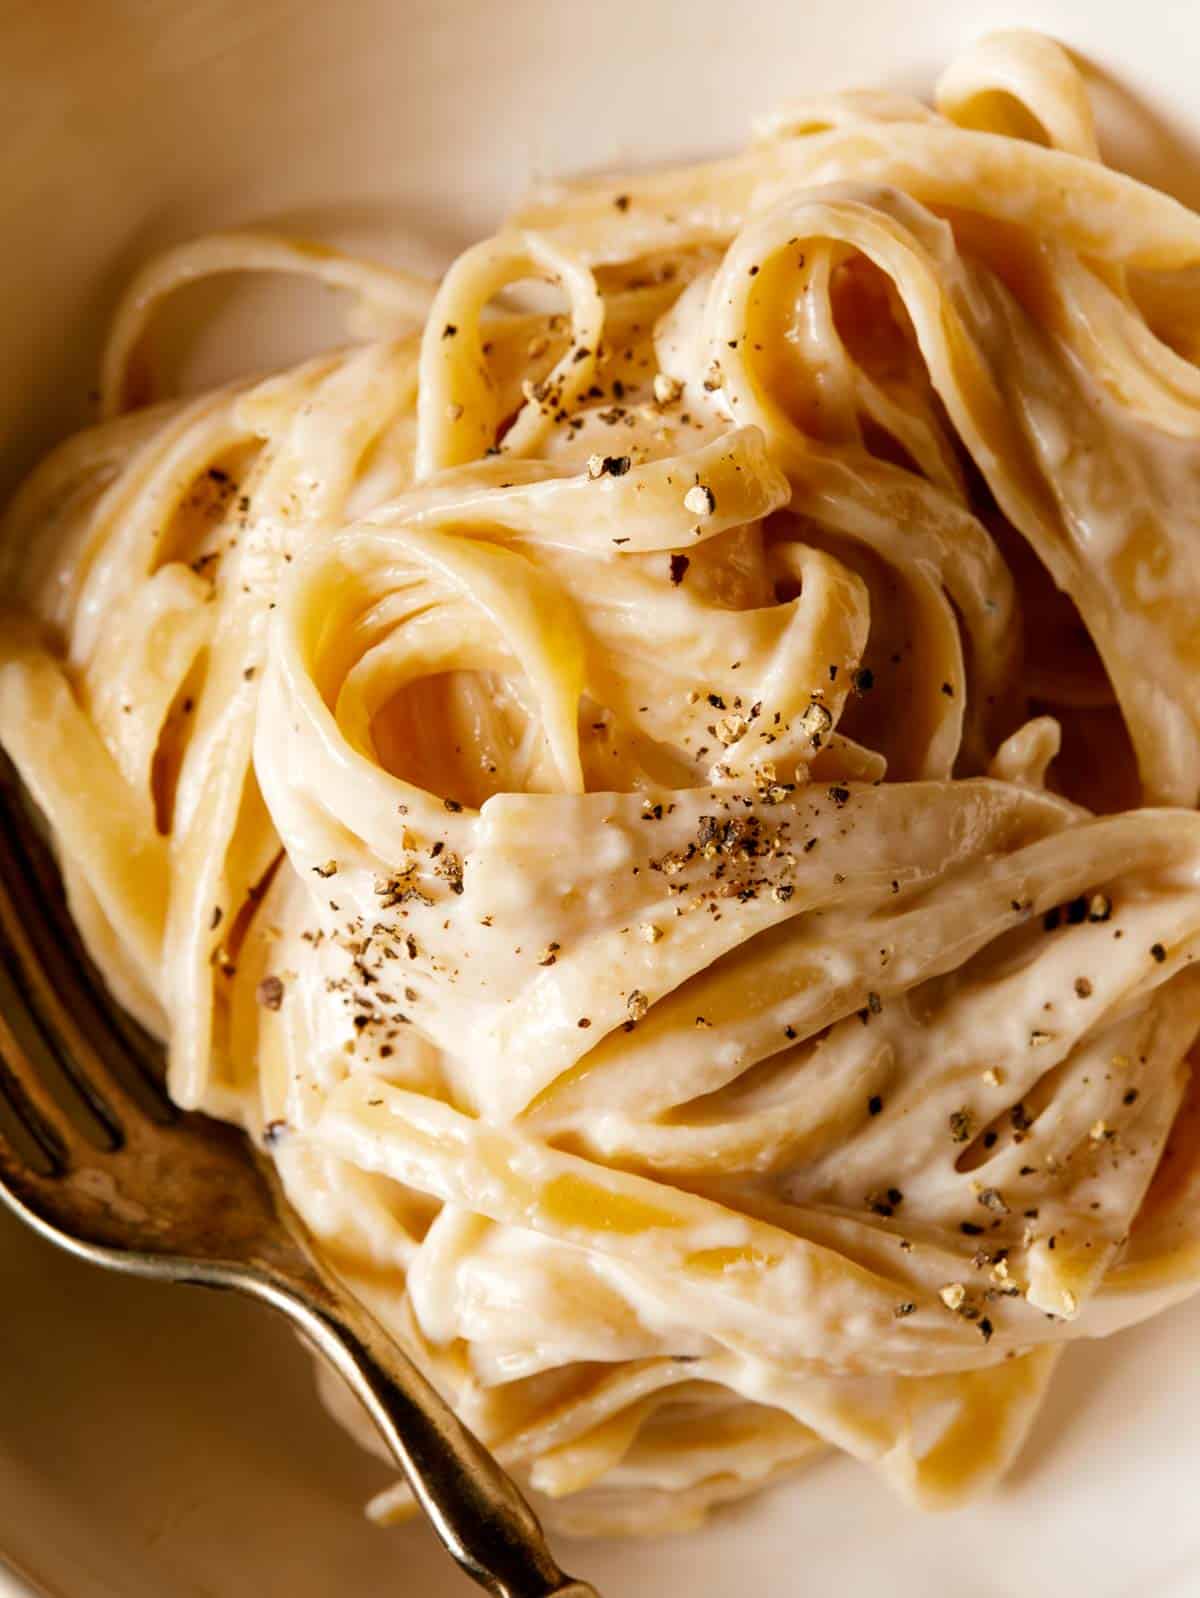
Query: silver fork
(95, 1157)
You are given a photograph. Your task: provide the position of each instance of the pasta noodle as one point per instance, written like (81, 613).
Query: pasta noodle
(673, 818)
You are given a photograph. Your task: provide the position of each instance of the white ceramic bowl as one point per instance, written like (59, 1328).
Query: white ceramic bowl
(156, 1442)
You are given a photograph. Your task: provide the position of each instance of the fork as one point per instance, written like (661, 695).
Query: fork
(94, 1156)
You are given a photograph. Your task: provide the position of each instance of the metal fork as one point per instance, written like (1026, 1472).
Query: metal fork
(95, 1157)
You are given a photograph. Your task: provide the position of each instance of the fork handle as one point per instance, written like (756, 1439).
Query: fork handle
(476, 1509)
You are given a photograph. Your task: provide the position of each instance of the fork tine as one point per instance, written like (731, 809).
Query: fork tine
(25, 1134)
(94, 1063)
(42, 1093)
(43, 887)
(34, 1049)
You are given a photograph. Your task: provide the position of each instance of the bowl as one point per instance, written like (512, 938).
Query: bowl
(157, 1441)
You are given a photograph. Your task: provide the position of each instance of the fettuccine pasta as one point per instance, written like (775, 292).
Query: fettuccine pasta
(668, 805)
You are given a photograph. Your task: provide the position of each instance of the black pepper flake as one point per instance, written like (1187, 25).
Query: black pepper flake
(1083, 988)
(270, 993)
(1130, 1096)
(901, 1310)
(1019, 1116)
(1158, 952)
(452, 805)
(874, 1105)
(716, 701)
(450, 869)
(948, 690)
(863, 679)
(986, 1329)
(622, 202)
(790, 1032)
(583, 1022)
(449, 330)
(273, 1131)
(839, 795)
(679, 566)
(215, 920)
(615, 466)
(969, 1229)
